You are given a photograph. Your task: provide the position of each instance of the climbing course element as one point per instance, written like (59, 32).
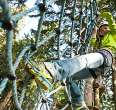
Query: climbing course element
(42, 8)
(42, 80)
(72, 27)
(58, 31)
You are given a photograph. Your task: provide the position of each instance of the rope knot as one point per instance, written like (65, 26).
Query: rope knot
(44, 100)
(7, 24)
(42, 7)
(33, 47)
(11, 77)
(58, 31)
(69, 102)
(81, 12)
(72, 18)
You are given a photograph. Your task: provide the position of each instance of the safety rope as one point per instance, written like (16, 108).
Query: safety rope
(67, 88)
(58, 31)
(68, 91)
(90, 25)
(72, 27)
(42, 8)
(81, 18)
(86, 39)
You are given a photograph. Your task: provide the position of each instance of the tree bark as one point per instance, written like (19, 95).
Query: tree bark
(5, 99)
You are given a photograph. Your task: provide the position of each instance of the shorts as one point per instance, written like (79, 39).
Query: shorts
(108, 58)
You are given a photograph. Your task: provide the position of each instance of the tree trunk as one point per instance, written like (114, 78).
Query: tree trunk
(6, 97)
(5, 100)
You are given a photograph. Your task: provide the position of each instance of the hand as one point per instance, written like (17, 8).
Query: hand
(94, 32)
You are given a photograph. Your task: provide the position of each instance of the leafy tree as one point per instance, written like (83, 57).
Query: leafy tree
(41, 43)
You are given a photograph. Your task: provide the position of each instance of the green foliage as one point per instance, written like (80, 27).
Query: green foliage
(107, 5)
(60, 98)
(46, 52)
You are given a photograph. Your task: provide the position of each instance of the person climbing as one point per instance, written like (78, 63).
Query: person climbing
(97, 36)
(72, 67)
(84, 66)
(93, 84)
(106, 37)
